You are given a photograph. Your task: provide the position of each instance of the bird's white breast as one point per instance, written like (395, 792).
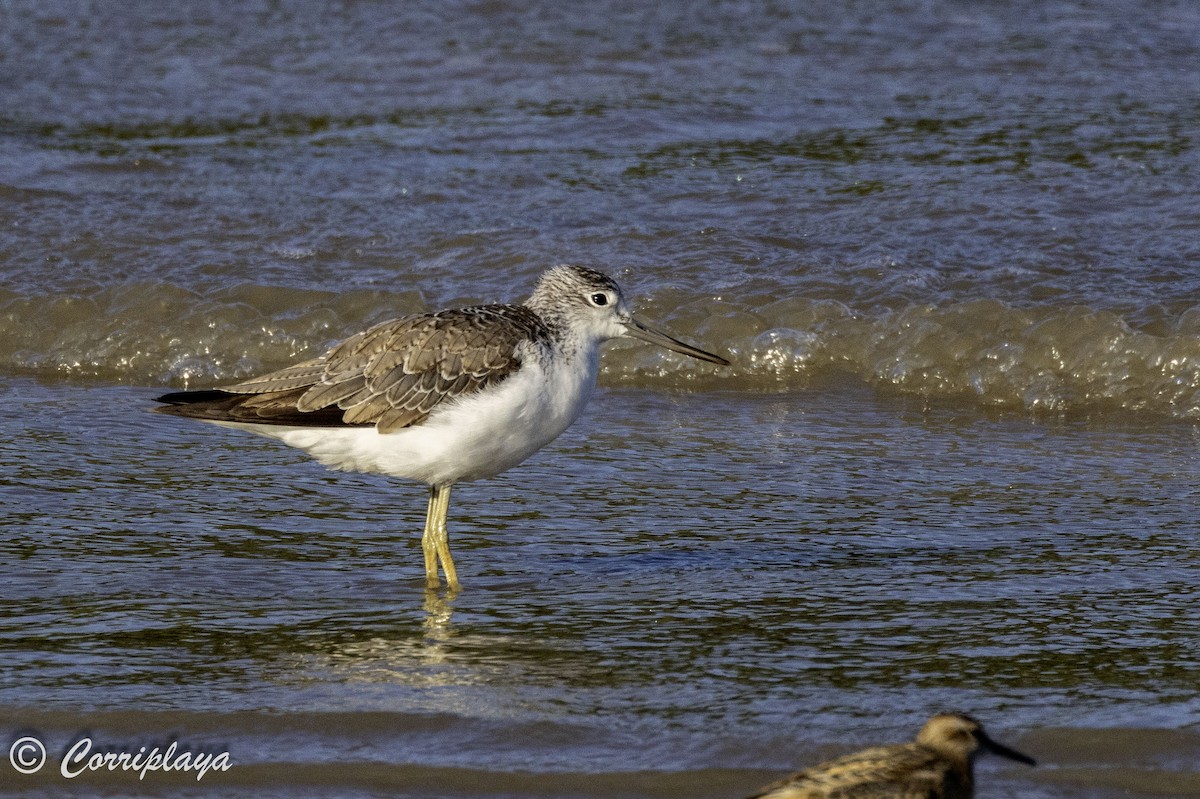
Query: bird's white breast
(467, 438)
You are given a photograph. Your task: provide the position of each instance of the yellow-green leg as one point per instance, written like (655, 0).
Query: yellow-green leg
(427, 545)
(436, 542)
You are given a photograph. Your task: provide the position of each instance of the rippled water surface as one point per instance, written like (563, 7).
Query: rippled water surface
(951, 250)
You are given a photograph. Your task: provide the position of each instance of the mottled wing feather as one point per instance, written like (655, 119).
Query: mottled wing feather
(270, 402)
(464, 383)
(397, 419)
(907, 771)
(301, 375)
(332, 391)
(357, 398)
(392, 375)
(354, 353)
(366, 409)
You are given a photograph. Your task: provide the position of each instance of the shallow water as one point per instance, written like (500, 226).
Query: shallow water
(951, 252)
(784, 574)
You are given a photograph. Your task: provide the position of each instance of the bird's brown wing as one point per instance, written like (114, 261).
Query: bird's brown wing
(392, 375)
(907, 771)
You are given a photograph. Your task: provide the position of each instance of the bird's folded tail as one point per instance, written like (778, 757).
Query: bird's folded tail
(275, 407)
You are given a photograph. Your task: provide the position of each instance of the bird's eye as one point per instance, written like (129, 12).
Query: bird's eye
(599, 298)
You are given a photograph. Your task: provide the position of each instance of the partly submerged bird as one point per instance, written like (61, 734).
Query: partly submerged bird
(940, 764)
(443, 397)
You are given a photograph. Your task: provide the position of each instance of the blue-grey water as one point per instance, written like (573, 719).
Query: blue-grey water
(951, 249)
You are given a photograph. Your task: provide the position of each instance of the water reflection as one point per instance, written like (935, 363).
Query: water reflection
(439, 610)
(425, 660)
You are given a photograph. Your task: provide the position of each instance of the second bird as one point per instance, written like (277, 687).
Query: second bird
(940, 764)
(444, 397)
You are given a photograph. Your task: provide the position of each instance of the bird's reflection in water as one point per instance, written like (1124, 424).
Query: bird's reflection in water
(403, 653)
(436, 666)
(438, 624)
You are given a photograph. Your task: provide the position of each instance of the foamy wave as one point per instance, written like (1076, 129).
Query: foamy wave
(1046, 358)
(1049, 358)
(161, 334)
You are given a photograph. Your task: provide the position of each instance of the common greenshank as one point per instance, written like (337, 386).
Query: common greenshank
(441, 398)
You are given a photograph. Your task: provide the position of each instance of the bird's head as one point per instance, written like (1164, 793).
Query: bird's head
(962, 737)
(591, 302)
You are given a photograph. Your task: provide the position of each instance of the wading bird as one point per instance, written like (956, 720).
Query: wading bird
(441, 398)
(940, 764)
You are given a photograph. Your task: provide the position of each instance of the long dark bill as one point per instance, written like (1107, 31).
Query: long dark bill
(1002, 750)
(638, 330)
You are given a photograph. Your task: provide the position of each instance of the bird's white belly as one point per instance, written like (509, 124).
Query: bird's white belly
(469, 438)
